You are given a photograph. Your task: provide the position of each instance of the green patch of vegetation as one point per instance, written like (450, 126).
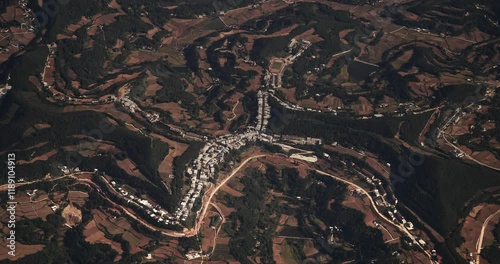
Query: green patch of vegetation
(492, 252)
(451, 18)
(87, 63)
(150, 8)
(179, 166)
(292, 252)
(70, 13)
(412, 127)
(264, 48)
(81, 251)
(227, 73)
(276, 65)
(191, 9)
(440, 188)
(37, 231)
(253, 237)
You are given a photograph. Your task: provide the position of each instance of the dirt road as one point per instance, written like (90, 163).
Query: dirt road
(399, 227)
(468, 156)
(479, 244)
(212, 192)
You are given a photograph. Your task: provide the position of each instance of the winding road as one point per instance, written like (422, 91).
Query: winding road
(479, 244)
(212, 191)
(374, 206)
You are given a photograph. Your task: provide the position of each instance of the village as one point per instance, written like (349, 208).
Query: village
(204, 168)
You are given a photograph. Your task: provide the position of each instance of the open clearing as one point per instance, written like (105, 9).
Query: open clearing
(72, 215)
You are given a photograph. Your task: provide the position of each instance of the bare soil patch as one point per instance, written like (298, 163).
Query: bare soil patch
(72, 215)
(21, 250)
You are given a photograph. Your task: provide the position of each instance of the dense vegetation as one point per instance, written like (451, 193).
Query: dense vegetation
(190, 9)
(27, 109)
(334, 128)
(251, 224)
(64, 14)
(253, 214)
(492, 252)
(454, 17)
(179, 167)
(37, 231)
(326, 23)
(88, 62)
(227, 73)
(440, 188)
(153, 8)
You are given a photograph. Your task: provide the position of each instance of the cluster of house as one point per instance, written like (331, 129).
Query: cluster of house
(152, 117)
(197, 254)
(457, 153)
(302, 46)
(409, 107)
(66, 170)
(203, 168)
(263, 111)
(128, 104)
(5, 89)
(291, 106)
(85, 100)
(193, 255)
(154, 211)
(380, 198)
(302, 140)
(28, 15)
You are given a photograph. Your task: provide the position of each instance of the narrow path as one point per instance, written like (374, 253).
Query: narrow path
(293, 237)
(383, 227)
(365, 62)
(217, 231)
(341, 53)
(234, 114)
